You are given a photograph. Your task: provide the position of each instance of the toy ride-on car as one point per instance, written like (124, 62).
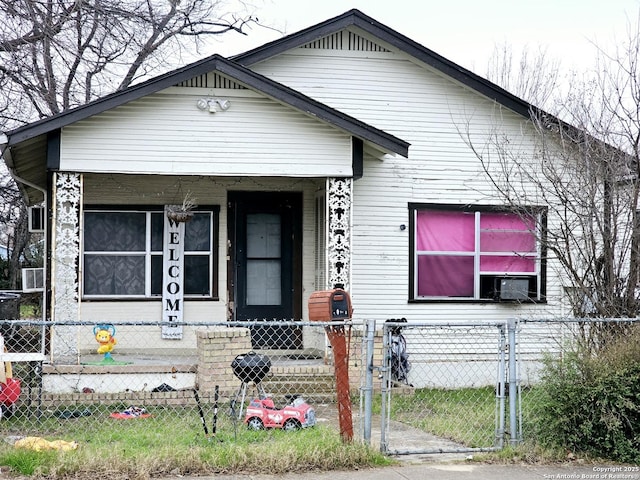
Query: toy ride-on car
(9, 393)
(262, 413)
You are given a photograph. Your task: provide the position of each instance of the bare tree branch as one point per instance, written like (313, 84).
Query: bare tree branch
(59, 54)
(585, 169)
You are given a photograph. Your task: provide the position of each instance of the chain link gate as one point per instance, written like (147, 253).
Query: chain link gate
(444, 387)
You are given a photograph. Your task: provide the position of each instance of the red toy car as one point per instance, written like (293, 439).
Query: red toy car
(9, 393)
(262, 413)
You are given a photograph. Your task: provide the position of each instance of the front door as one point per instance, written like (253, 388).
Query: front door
(265, 271)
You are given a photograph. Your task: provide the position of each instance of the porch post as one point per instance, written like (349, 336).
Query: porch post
(64, 266)
(339, 198)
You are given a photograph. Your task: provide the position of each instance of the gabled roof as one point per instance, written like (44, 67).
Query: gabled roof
(219, 64)
(355, 18)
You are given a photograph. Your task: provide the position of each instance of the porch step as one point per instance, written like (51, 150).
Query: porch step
(137, 376)
(316, 383)
(57, 400)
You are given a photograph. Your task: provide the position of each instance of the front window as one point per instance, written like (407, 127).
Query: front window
(122, 254)
(475, 254)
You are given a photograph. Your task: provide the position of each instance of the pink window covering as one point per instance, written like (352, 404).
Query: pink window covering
(439, 231)
(507, 221)
(507, 232)
(445, 276)
(507, 264)
(507, 241)
(454, 231)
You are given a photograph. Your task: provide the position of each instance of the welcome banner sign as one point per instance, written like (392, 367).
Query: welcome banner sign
(173, 279)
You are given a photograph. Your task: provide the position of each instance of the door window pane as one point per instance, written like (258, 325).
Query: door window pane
(264, 276)
(263, 282)
(263, 235)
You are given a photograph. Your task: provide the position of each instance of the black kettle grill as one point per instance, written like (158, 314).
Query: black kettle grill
(251, 367)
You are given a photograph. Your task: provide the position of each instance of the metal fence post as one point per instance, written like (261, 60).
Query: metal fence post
(500, 389)
(513, 383)
(368, 385)
(384, 392)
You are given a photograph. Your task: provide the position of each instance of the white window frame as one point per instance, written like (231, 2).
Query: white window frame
(148, 254)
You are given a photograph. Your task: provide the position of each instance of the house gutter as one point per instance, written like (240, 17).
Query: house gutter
(5, 153)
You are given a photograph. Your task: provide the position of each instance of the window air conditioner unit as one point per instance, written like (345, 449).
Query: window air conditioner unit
(32, 279)
(513, 288)
(36, 219)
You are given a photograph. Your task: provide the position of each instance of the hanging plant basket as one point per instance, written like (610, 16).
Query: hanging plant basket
(184, 212)
(180, 216)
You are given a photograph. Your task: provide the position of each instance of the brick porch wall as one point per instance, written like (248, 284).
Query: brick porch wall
(356, 358)
(217, 348)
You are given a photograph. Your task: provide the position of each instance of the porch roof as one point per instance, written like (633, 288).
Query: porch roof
(235, 71)
(25, 148)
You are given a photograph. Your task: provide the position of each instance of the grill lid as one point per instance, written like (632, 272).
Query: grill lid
(251, 367)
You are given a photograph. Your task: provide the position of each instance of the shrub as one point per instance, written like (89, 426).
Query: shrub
(590, 403)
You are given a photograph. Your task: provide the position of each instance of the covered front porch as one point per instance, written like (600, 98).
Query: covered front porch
(244, 270)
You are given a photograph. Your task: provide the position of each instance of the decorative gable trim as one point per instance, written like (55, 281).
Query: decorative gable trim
(199, 81)
(345, 40)
(211, 81)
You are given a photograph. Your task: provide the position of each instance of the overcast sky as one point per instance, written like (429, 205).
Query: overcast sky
(464, 31)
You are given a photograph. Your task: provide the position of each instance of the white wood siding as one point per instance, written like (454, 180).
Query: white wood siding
(431, 112)
(166, 133)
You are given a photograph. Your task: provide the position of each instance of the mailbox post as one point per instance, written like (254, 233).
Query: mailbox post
(331, 306)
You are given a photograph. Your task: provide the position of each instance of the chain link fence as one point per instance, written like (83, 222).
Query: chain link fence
(550, 339)
(537, 341)
(473, 387)
(104, 377)
(412, 387)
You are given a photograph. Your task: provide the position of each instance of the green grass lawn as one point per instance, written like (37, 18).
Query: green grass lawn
(29, 311)
(172, 441)
(466, 415)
